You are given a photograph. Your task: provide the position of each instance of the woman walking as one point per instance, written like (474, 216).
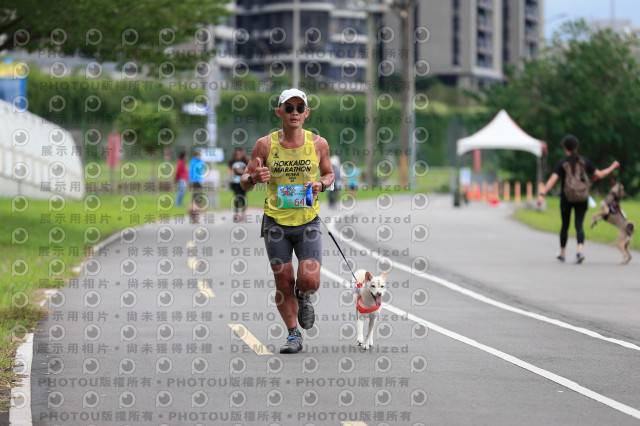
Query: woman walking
(574, 192)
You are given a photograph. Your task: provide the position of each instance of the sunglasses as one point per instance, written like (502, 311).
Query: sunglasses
(300, 108)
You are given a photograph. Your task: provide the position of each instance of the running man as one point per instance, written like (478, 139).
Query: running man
(289, 159)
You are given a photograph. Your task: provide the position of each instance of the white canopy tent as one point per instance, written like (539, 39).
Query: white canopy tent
(503, 133)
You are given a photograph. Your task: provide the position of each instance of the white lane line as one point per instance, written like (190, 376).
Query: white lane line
(562, 381)
(20, 412)
(492, 302)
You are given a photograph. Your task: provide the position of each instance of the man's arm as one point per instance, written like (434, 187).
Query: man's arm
(326, 171)
(255, 171)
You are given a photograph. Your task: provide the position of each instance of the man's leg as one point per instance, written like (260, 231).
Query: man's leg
(287, 306)
(308, 280)
(279, 250)
(285, 299)
(307, 283)
(308, 250)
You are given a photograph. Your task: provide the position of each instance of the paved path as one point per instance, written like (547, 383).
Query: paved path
(175, 324)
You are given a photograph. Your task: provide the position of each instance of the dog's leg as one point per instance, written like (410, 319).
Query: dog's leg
(625, 249)
(372, 325)
(604, 210)
(626, 246)
(620, 243)
(360, 328)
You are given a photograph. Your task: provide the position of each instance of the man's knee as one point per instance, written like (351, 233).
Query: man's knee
(308, 276)
(308, 284)
(283, 274)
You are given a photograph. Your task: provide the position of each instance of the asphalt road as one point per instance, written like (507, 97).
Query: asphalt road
(175, 324)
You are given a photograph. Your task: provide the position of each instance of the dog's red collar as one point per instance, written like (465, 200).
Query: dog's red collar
(364, 310)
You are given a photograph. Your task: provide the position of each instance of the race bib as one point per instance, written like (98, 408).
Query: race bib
(291, 196)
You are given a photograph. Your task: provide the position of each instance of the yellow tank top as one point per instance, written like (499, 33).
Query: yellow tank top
(291, 167)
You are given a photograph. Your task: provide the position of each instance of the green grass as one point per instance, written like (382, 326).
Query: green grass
(603, 232)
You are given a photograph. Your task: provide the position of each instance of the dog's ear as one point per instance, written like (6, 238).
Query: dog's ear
(368, 276)
(384, 275)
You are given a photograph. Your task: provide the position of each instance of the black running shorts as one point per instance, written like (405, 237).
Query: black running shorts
(281, 241)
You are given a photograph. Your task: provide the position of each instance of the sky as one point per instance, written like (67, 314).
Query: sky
(558, 11)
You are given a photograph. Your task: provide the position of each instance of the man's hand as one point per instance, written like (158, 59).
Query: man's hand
(315, 186)
(261, 174)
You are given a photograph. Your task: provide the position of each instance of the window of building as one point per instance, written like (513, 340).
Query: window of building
(484, 60)
(456, 52)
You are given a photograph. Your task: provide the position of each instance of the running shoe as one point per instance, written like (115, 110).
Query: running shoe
(579, 257)
(560, 258)
(306, 314)
(293, 345)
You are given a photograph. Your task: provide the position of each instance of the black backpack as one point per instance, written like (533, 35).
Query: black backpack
(576, 186)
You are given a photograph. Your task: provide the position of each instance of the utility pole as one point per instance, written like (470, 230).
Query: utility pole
(404, 9)
(370, 125)
(296, 44)
(211, 91)
(373, 8)
(613, 15)
(411, 83)
(213, 95)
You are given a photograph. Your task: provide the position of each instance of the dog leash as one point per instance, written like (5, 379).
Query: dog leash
(358, 285)
(593, 179)
(309, 203)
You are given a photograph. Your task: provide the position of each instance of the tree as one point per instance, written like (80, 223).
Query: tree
(584, 83)
(149, 128)
(145, 32)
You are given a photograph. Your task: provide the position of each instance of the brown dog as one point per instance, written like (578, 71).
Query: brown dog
(611, 212)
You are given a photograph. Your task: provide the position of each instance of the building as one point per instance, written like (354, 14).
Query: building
(328, 48)
(466, 43)
(522, 29)
(469, 42)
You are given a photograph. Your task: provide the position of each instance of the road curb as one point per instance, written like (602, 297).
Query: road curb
(20, 415)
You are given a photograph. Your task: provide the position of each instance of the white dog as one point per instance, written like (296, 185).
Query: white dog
(369, 290)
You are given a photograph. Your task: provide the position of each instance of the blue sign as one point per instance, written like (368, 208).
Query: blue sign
(13, 84)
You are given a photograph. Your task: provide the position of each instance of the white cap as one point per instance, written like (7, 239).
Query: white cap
(292, 93)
